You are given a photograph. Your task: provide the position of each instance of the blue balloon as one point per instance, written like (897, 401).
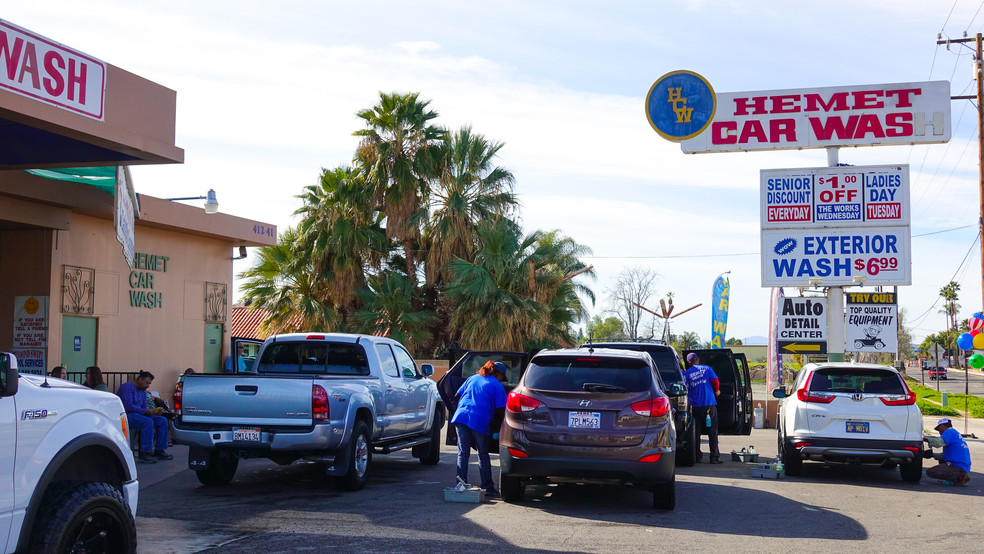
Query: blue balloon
(965, 341)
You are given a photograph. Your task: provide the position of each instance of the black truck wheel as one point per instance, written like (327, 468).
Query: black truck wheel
(220, 472)
(360, 457)
(433, 455)
(511, 487)
(664, 495)
(87, 517)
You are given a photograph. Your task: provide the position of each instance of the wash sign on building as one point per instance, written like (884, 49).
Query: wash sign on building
(839, 224)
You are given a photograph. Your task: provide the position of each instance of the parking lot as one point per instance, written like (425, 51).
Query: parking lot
(269, 508)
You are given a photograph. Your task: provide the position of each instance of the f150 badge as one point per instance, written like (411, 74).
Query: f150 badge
(36, 414)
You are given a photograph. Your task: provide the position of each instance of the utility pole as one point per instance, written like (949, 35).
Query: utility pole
(980, 169)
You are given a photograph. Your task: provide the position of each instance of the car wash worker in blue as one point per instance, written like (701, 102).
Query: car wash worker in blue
(703, 387)
(481, 396)
(955, 465)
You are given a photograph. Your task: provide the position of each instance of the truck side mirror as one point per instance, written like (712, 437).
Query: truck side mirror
(409, 373)
(677, 389)
(427, 369)
(779, 393)
(8, 374)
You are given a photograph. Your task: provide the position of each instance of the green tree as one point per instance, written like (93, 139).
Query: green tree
(285, 281)
(609, 328)
(390, 309)
(733, 342)
(399, 156)
(469, 191)
(689, 340)
(949, 293)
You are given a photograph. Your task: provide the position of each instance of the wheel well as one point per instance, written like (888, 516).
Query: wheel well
(439, 409)
(364, 415)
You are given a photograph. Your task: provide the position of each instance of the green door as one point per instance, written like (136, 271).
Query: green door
(78, 344)
(213, 348)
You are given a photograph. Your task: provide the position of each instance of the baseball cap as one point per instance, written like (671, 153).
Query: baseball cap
(502, 367)
(944, 421)
(692, 358)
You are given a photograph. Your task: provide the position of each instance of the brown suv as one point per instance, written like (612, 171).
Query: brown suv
(589, 415)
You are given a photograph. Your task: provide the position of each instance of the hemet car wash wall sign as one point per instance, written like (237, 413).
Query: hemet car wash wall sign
(802, 325)
(835, 196)
(791, 257)
(34, 66)
(872, 322)
(862, 115)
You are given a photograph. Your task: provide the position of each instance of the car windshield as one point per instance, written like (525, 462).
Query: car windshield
(588, 373)
(870, 381)
(314, 357)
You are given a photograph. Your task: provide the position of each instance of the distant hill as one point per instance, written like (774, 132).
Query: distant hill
(755, 341)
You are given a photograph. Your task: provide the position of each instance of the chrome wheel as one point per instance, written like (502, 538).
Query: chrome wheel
(361, 455)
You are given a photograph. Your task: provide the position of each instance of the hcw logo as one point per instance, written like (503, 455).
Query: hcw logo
(680, 108)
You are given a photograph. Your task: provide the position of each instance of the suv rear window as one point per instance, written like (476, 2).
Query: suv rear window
(871, 381)
(666, 363)
(588, 373)
(330, 358)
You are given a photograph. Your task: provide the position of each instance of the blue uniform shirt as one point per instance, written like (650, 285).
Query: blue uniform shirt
(699, 389)
(480, 396)
(134, 399)
(955, 451)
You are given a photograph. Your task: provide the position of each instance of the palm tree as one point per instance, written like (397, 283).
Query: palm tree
(341, 232)
(469, 191)
(398, 155)
(689, 340)
(388, 310)
(284, 280)
(951, 308)
(491, 295)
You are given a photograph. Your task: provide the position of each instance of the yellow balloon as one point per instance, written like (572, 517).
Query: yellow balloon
(979, 341)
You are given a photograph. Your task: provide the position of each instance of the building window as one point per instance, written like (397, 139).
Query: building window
(216, 301)
(78, 289)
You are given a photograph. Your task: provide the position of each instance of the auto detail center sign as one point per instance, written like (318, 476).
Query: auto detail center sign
(835, 223)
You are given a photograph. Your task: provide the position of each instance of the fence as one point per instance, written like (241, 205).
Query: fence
(113, 379)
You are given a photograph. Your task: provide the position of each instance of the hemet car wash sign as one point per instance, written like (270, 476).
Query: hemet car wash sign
(835, 196)
(863, 115)
(801, 325)
(872, 322)
(39, 68)
(791, 257)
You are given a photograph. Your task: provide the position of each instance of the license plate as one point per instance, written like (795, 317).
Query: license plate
(584, 420)
(857, 426)
(246, 434)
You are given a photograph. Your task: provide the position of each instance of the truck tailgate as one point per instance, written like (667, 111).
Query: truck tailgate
(239, 399)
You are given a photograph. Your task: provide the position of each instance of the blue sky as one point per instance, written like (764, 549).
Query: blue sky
(267, 96)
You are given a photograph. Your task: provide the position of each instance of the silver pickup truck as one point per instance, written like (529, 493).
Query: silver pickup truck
(325, 397)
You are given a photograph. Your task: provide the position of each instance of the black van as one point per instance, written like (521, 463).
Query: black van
(670, 371)
(734, 405)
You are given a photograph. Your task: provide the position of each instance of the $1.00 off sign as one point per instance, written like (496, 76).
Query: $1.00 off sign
(802, 325)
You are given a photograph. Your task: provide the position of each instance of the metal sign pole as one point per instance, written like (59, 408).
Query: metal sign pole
(835, 299)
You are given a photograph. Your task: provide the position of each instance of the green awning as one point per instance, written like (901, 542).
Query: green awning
(103, 178)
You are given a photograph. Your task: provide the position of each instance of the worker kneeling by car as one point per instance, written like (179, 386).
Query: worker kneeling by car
(955, 465)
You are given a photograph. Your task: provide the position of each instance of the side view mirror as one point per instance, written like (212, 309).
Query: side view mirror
(427, 369)
(779, 393)
(409, 373)
(677, 389)
(8, 374)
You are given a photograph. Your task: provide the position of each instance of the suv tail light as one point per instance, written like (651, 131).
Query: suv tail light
(657, 407)
(319, 403)
(805, 395)
(907, 399)
(517, 403)
(176, 398)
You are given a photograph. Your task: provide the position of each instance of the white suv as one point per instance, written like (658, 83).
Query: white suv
(853, 414)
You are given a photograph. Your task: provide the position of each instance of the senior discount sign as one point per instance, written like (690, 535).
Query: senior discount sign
(864, 115)
(791, 257)
(835, 196)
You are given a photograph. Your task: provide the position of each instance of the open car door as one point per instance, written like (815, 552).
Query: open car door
(735, 388)
(467, 365)
(251, 347)
(745, 393)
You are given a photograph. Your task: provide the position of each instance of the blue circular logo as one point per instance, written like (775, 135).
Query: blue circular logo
(680, 105)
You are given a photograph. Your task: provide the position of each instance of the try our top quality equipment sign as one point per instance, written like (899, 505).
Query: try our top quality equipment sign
(846, 196)
(872, 322)
(864, 115)
(36, 67)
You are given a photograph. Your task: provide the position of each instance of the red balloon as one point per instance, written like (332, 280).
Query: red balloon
(974, 333)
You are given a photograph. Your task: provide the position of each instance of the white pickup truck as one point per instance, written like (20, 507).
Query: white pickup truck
(68, 482)
(324, 397)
